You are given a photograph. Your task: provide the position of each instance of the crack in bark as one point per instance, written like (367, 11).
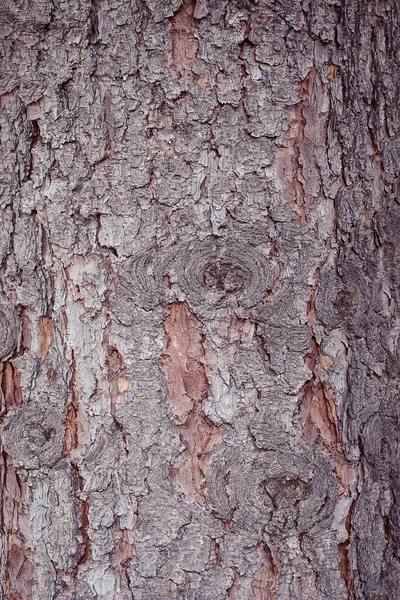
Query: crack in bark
(86, 546)
(71, 435)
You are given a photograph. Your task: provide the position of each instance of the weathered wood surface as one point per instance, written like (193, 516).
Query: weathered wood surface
(199, 311)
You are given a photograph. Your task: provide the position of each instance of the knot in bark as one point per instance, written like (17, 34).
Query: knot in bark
(222, 275)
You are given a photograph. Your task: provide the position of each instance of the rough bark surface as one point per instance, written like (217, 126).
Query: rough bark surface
(199, 313)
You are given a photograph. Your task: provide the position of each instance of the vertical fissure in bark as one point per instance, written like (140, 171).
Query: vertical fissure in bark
(71, 436)
(86, 544)
(94, 21)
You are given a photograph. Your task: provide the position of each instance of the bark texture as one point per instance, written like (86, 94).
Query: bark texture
(199, 313)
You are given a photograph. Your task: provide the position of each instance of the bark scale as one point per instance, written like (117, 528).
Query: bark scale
(199, 316)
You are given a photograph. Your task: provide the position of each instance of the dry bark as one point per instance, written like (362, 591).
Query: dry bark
(199, 322)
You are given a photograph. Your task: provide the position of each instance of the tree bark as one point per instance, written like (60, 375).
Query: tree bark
(200, 320)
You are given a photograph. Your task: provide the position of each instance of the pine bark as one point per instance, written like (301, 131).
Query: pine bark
(199, 311)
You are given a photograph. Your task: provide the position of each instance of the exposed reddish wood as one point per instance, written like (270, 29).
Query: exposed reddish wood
(64, 316)
(46, 331)
(187, 387)
(289, 169)
(317, 409)
(19, 572)
(239, 331)
(123, 551)
(183, 361)
(26, 333)
(297, 165)
(266, 580)
(320, 425)
(232, 591)
(331, 71)
(217, 551)
(317, 417)
(344, 561)
(71, 431)
(183, 45)
(115, 362)
(346, 476)
(11, 385)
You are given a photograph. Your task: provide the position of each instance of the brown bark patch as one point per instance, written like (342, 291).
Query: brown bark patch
(232, 591)
(183, 46)
(319, 424)
(299, 162)
(318, 417)
(239, 331)
(19, 572)
(26, 333)
(331, 71)
(46, 331)
(71, 436)
(346, 476)
(317, 409)
(123, 551)
(86, 546)
(344, 560)
(187, 387)
(117, 384)
(183, 361)
(71, 431)
(10, 385)
(266, 580)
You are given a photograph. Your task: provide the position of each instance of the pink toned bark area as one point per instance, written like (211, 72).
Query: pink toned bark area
(19, 573)
(303, 157)
(183, 361)
(123, 551)
(187, 387)
(10, 382)
(46, 331)
(265, 583)
(183, 45)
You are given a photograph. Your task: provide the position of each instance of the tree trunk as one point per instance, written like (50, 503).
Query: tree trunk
(199, 313)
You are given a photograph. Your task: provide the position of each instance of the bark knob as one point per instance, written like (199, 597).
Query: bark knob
(33, 435)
